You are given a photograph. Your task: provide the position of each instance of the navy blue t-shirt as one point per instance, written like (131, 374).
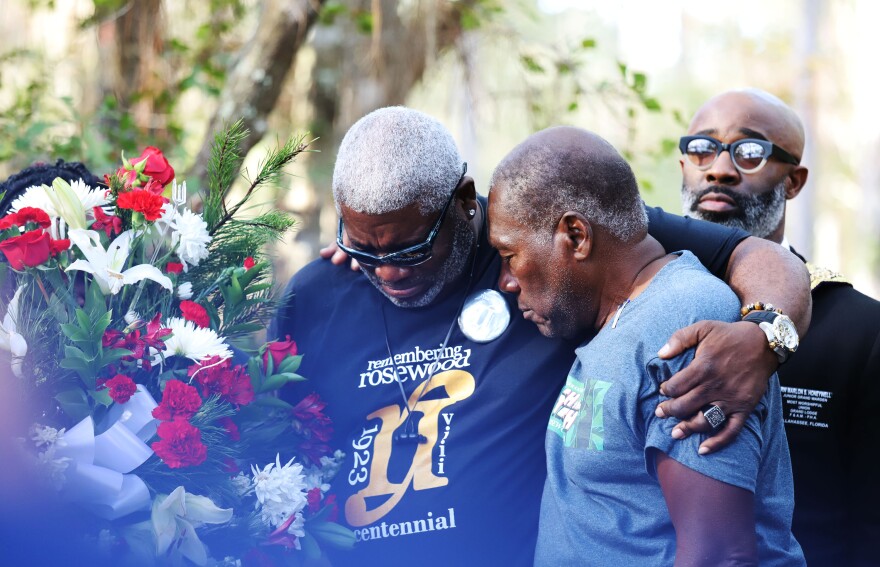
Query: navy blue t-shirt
(471, 494)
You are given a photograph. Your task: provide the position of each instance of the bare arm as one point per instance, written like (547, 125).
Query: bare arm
(732, 361)
(714, 521)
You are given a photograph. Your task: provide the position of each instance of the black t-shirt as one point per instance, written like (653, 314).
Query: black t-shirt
(471, 494)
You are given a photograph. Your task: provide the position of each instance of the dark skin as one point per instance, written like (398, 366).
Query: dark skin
(576, 282)
(732, 361)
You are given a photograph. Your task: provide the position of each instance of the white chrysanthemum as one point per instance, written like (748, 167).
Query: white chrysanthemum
(131, 316)
(280, 492)
(242, 484)
(168, 218)
(43, 435)
(192, 341)
(53, 467)
(190, 235)
(37, 197)
(185, 290)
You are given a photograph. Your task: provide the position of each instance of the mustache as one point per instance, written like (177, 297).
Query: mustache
(719, 189)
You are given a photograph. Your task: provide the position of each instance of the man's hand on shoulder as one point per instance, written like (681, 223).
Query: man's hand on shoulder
(731, 368)
(337, 257)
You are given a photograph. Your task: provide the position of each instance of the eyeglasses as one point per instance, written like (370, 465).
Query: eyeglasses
(749, 155)
(410, 256)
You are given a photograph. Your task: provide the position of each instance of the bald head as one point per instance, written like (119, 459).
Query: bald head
(755, 110)
(570, 169)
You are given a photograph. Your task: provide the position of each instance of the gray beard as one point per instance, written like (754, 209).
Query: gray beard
(463, 240)
(759, 215)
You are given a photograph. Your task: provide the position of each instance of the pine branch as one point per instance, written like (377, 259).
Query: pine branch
(223, 166)
(270, 170)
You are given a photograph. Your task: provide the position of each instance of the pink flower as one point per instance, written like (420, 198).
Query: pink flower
(173, 267)
(110, 224)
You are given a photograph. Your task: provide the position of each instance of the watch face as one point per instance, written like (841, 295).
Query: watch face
(786, 333)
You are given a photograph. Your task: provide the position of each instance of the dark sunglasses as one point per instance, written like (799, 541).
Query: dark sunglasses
(410, 256)
(749, 155)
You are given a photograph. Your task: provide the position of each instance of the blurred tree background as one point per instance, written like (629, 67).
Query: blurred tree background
(84, 79)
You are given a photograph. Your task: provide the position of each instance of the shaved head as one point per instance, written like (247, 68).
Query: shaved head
(775, 119)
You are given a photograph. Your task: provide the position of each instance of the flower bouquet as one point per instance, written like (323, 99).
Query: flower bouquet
(128, 318)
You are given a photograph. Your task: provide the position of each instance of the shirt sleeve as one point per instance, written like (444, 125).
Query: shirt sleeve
(736, 464)
(711, 243)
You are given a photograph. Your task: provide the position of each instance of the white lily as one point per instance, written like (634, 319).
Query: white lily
(106, 265)
(175, 517)
(10, 338)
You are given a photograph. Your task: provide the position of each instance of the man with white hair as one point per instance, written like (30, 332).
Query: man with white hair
(740, 165)
(438, 396)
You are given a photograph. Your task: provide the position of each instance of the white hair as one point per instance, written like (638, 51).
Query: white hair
(392, 158)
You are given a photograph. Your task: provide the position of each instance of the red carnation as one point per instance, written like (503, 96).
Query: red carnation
(194, 312)
(111, 224)
(157, 167)
(230, 427)
(179, 400)
(181, 444)
(122, 388)
(279, 351)
(229, 382)
(144, 202)
(249, 263)
(34, 215)
(313, 499)
(60, 245)
(28, 250)
(8, 221)
(173, 267)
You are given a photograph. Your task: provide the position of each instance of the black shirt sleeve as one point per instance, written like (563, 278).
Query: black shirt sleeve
(711, 243)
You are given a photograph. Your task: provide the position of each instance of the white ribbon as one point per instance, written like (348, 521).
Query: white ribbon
(98, 474)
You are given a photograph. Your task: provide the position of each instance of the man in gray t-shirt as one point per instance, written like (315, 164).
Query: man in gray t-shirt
(566, 217)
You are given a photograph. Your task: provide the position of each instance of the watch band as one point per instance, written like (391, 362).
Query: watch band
(778, 329)
(761, 316)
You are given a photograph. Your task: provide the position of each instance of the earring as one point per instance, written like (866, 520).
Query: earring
(472, 212)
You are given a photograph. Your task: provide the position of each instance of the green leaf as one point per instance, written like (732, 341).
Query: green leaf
(273, 383)
(102, 397)
(333, 534)
(652, 104)
(531, 64)
(273, 402)
(75, 353)
(290, 364)
(640, 81)
(101, 325)
(309, 546)
(75, 333)
(588, 43)
(253, 368)
(74, 404)
(112, 355)
(83, 320)
(77, 364)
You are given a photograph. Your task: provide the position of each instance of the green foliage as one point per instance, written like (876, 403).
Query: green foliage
(223, 166)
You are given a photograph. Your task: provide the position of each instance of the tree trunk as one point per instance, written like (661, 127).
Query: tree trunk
(255, 81)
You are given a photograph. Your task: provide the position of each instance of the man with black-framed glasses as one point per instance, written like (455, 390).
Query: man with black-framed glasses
(740, 165)
(438, 390)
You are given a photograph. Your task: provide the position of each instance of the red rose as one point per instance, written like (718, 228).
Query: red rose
(194, 312)
(122, 388)
(179, 400)
(30, 249)
(249, 263)
(111, 224)
(60, 245)
(31, 214)
(173, 267)
(279, 351)
(181, 444)
(147, 203)
(157, 166)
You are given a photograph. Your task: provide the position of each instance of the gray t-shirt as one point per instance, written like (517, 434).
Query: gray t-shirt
(602, 502)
